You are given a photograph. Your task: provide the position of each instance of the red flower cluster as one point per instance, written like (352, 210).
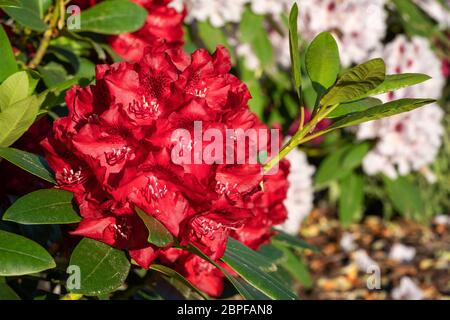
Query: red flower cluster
(113, 151)
(163, 22)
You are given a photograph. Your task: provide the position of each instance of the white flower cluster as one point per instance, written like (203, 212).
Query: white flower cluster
(218, 12)
(409, 141)
(300, 196)
(359, 26)
(436, 10)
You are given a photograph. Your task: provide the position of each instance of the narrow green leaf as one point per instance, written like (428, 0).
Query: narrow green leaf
(295, 266)
(413, 19)
(352, 107)
(45, 206)
(394, 82)
(113, 17)
(295, 50)
(351, 199)
(322, 62)
(341, 162)
(259, 41)
(380, 111)
(292, 241)
(17, 118)
(174, 274)
(9, 64)
(157, 232)
(355, 83)
(27, 15)
(29, 162)
(405, 196)
(103, 268)
(19, 256)
(245, 289)
(255, 269)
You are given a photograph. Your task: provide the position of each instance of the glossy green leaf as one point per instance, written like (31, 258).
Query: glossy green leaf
(352, 107)
(113, 17)
(244, 288)
(45, 206)
(9, 64)
(174, 274)
(11, 3)
(255, 269)
(322, 62)
(14, 89)
(355, 83)
(17, 118)
(30, 162)
(103, 268)
(6, 293)
(157, 232)
(378, 112)
(394, 82)
(350, 204)
(19, 256)
(27, 15)
(295, 50)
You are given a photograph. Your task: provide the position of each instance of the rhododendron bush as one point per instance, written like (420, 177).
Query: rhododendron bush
(175, 138)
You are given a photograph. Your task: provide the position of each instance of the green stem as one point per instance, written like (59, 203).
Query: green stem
(299, 137)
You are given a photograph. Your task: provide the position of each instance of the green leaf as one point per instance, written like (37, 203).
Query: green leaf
(255, 269)
(394, 82)
(9, 64)
(351, 199)
(295, 50)
(19, 256)
(378, 112)
(292, 241)
(6, 293)
(103, 268)
(355, 106)
(10, 3)
(341, 162)
(405, 196)
(45, 206)
(14, 89)
(322, 62)
(173, 274)
(27, 15)
(157, 232)
(295, 266)
(245, 289)
(212, 37)
(259, 41)
(355, 83)
(53, 73)
(413, 19)
(17, 118)
(29, 162)
(113, 17)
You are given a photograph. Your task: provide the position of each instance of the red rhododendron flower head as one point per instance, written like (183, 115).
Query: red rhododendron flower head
(163, 22)
(115, 149)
